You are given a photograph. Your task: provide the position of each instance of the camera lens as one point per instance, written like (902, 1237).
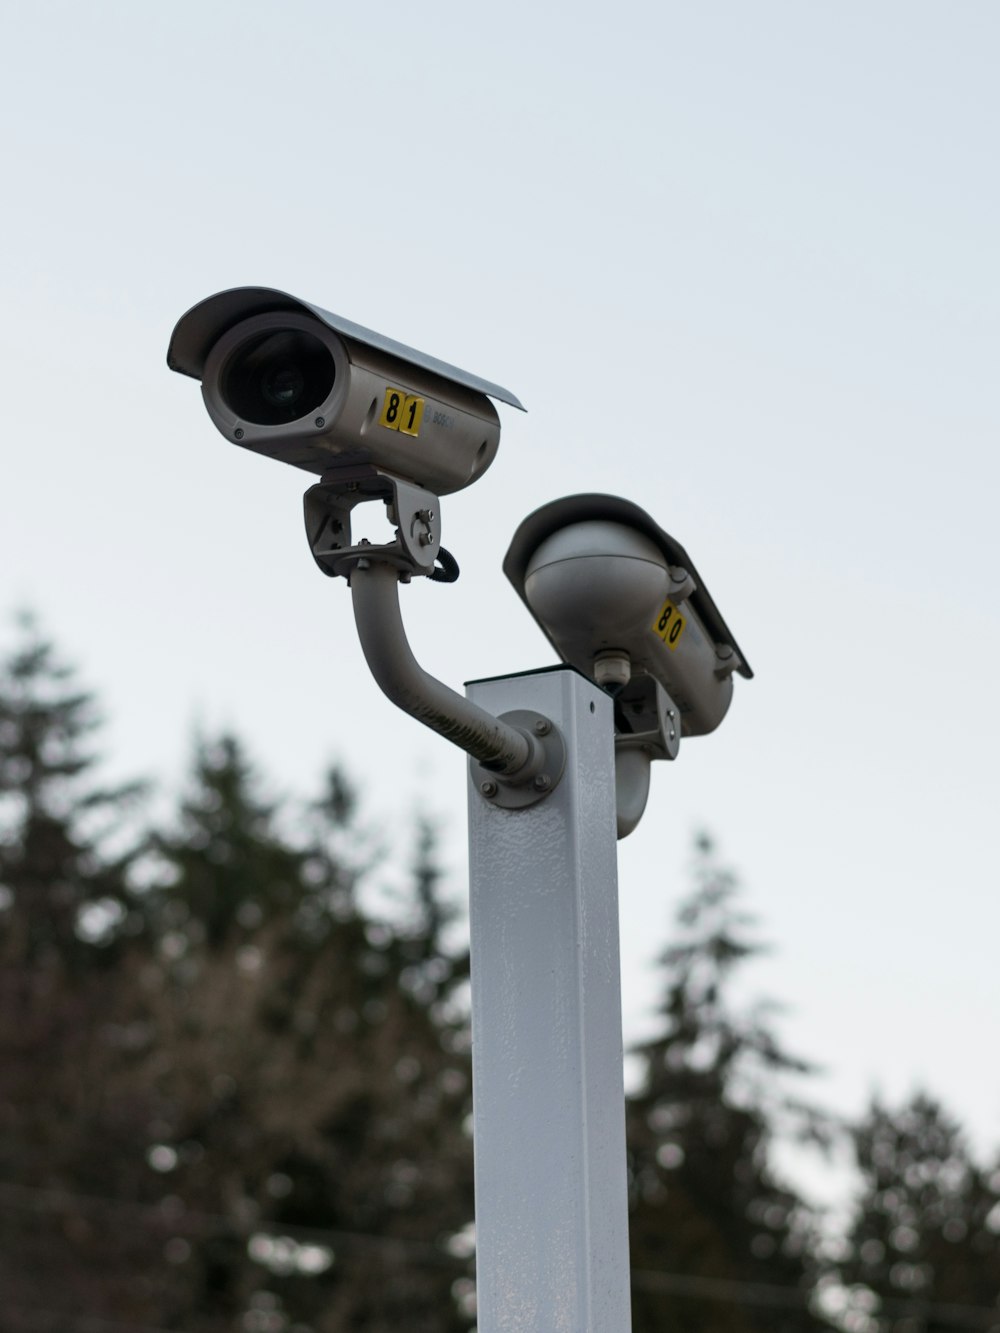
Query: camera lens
(278, 377)
(282, 385)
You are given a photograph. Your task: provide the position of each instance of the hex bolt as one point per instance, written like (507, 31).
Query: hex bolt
(542, 782)
(320, 423)
(542, 727)
(488, 788)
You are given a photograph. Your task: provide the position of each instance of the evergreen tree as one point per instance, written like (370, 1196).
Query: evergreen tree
(234, 1099)
(718, 1242)
(64, 908)
(305, 1089)
(61, 890)
(925, 1236)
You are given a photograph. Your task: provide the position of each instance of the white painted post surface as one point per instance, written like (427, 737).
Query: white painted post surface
(548, 1095)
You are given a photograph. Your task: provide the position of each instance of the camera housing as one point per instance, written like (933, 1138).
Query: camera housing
(297, 383)
(621, 600)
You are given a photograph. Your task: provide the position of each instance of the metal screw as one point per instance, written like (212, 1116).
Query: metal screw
(673, 735)
(670, 714)
(488, 788)
(238, 433)
(426, 539)
(320, 422)
(542, 782)
(542, 727)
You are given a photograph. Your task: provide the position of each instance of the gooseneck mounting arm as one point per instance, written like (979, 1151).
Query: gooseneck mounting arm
(375, 590)
(518, 758)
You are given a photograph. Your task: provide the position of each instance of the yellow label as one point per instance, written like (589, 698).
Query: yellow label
(669, 624)
(412, 415)
(402, 412)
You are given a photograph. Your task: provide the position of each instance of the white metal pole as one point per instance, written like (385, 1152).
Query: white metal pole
(549, 1106)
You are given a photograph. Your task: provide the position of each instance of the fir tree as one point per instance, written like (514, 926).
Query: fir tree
(304, 1089)
(924, 1240)
(235, 1098)
(64, 909)
(61, 890)
(718, 1242)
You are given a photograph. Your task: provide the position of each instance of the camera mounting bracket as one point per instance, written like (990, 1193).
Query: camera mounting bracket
(414, 512)
(647, 727)
(646, 718)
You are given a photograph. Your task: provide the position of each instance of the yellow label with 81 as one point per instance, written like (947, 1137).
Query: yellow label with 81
(402, 412)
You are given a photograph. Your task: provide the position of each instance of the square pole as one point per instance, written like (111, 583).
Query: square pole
(548, 1094)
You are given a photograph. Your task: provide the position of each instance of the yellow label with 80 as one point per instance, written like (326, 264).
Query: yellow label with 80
(402, 412)
(669, 624)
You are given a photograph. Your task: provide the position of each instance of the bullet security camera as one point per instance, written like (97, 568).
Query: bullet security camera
(621, 601)
(287, 379)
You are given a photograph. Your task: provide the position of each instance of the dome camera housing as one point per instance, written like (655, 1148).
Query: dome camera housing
(617, 597)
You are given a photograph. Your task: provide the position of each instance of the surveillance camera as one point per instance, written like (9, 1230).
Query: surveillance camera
(620, 599)
(299, 384)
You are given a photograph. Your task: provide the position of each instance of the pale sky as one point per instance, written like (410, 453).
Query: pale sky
(740, 262)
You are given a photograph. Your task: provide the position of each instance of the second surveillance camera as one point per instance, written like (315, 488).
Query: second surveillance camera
(307, 387)
(620, 599)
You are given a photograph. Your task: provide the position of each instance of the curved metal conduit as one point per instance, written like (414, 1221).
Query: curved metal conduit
(375, 594)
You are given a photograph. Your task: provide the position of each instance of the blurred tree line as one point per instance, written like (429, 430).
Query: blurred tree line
(234, 1097)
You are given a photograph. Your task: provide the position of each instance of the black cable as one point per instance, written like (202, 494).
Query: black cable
(448, 572)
